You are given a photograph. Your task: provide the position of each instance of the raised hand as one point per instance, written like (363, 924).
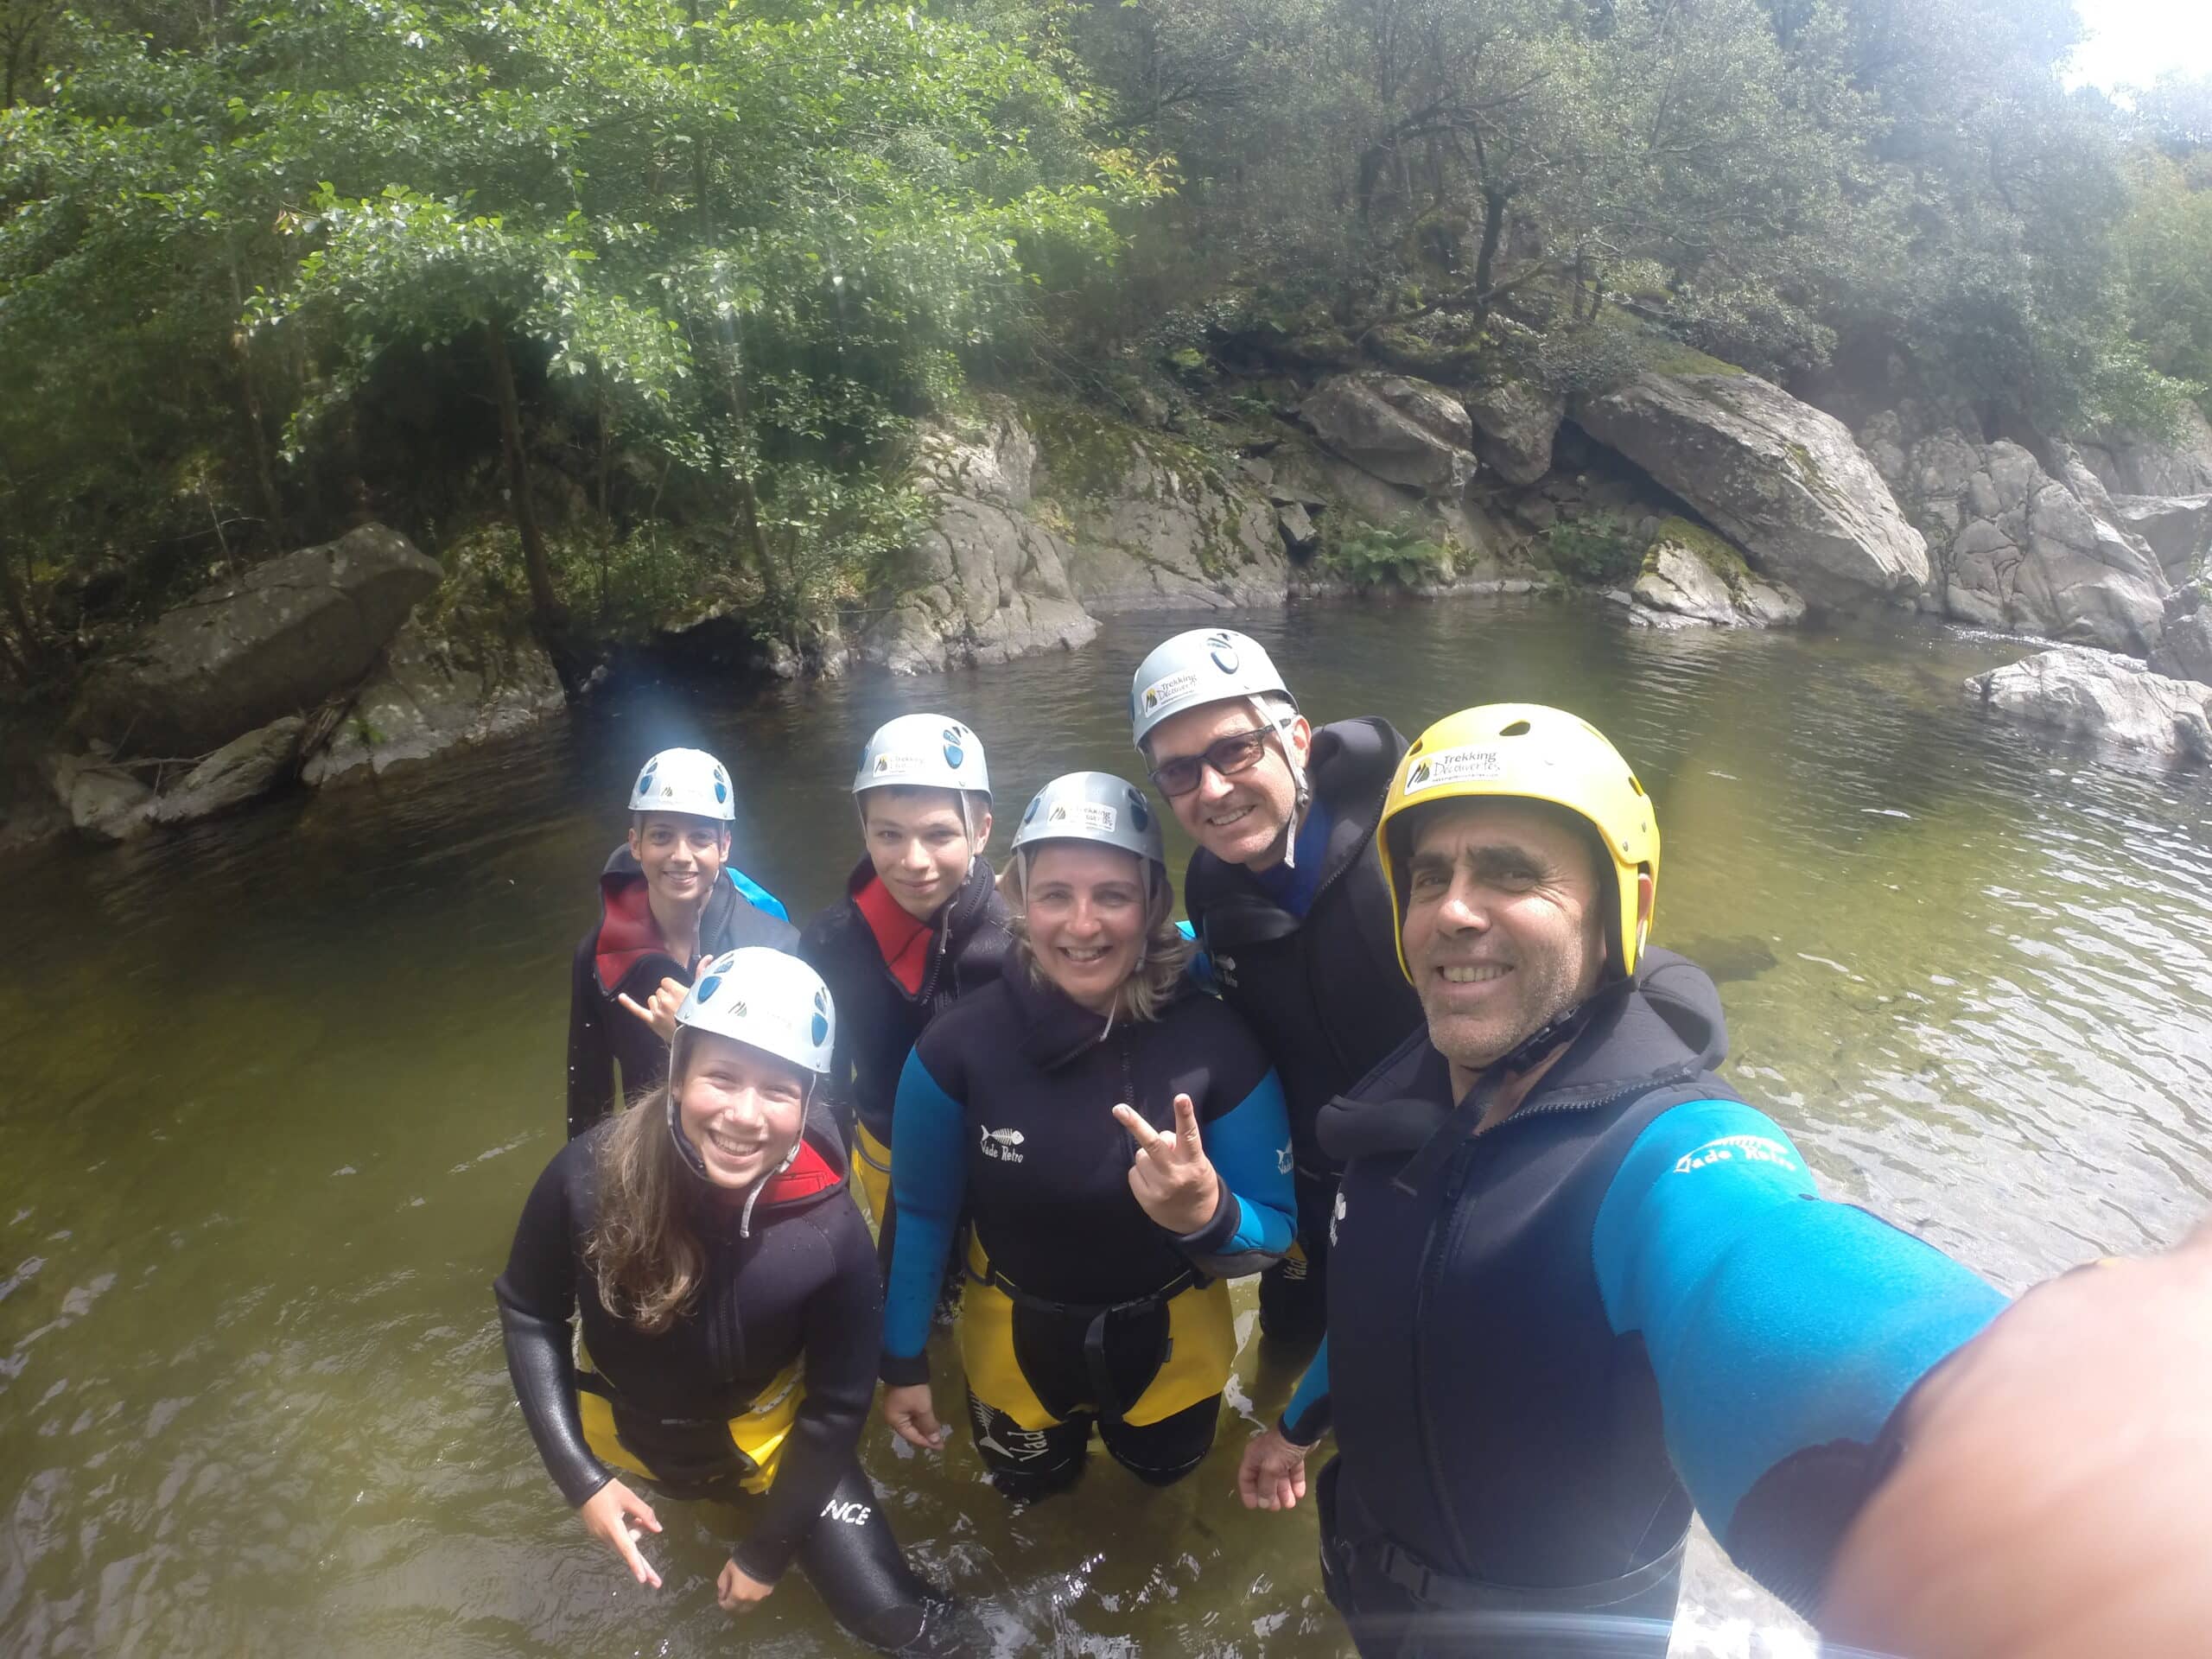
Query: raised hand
(1173, 1178)
(659, 1011)
(606, 1515)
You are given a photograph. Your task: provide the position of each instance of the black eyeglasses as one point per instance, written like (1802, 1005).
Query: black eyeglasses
(1238, 752)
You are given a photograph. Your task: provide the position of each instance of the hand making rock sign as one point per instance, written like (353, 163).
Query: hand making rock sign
(1173, 1178)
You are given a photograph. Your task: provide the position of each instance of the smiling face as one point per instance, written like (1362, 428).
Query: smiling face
(917, 841)
(1503, 930)
(1086, 909)
(681, 855)
(740, 1108)
(1239, 819)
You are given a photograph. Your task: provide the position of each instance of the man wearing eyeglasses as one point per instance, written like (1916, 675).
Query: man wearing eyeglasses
(1286, 896)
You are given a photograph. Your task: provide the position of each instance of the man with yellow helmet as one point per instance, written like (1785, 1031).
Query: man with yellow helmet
(1595, 1285)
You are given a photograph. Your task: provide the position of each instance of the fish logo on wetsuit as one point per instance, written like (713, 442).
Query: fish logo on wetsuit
(1002, 1144)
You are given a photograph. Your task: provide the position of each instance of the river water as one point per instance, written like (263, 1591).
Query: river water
(276, 1087)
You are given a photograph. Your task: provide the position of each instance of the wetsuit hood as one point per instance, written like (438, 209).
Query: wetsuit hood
(816, 1169)
(1666, 1027)
(627, 933)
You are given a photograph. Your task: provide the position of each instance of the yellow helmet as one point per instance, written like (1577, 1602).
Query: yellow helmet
(1527, 752)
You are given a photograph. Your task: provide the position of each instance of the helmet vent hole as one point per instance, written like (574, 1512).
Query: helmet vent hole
(1518, 729)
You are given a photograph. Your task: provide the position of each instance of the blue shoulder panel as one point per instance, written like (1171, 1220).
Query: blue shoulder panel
(1250, 1146)
(1775, 1321)
(756, 895)
(929, 1180)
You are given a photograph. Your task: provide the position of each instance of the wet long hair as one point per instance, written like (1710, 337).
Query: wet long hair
(1159, 974)
(644, 1254)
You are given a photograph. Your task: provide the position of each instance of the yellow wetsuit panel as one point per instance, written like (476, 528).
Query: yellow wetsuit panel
(1202, 1349)
(760, 1432)
(871, 1173)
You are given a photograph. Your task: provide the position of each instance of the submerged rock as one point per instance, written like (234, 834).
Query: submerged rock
(1781, 480)
(2099, 695)
(103, 799)
(277, 640)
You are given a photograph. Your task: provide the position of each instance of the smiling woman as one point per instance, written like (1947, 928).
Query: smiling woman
(1119, 1145)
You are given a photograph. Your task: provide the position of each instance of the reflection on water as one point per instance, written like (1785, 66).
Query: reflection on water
(278, 1085)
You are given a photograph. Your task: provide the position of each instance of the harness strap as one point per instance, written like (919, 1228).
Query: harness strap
(1105, 1396)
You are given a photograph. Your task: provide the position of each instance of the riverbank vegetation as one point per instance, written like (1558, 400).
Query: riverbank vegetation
(629, 306)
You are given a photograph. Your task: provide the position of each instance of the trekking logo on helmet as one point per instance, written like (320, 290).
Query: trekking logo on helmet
(821, 1016)
(1171, 689)
(955, 750)
(1482, 763)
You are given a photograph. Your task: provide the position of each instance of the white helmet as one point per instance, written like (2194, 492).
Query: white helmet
(924, 751)
(1204, 665)
(1094, 806)
(684, 780)
(765, 1000)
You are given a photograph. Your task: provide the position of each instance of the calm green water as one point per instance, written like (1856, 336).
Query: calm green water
(276, 1087)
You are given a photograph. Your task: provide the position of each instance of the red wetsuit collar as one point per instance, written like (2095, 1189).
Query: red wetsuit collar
(904, 942)
(628, 932)
(810, 1173)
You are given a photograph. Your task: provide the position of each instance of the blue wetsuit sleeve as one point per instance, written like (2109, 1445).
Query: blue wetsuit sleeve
(1305, 1419)
(1252, 1220)
(929, 1180)
(1199, 969)
(1783, 1331)
(756, 895)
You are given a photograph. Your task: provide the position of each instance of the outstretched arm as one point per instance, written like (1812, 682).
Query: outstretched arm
(1783, 1331)
(929, 1182)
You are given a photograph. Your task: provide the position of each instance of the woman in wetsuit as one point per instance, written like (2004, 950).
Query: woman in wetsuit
(1120, 1147)
(730, 1306)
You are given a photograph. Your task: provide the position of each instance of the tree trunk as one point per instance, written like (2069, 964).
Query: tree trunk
(547, 619)
(1494, 205)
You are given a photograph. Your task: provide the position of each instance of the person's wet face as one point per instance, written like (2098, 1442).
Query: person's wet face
(1503, 925)
(682, 854)
(740, 1108)
(918, 842)
(1086, 907)
(1239, 814)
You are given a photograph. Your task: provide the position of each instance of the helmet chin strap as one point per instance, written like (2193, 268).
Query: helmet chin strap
(1554, 1033)
(1302, 789)
(697, 1164)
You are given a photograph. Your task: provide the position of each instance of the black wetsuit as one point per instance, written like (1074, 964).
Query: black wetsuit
(1312, 966)
(879, 1019)
(623, 955)
(794, 1285)
(1625, 1297)
(1088, 1311)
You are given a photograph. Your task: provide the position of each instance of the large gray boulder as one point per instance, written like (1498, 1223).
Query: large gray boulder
(2177, 528)
(1781, 480)
(429, 694)
(1172, 535)
(276, 641)
(2018, 550)
(988, 582)
(1514, 424)
(2184, 651)
(2130, 464)
(1405, 431)
(1691, 578)
(2097, 694)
